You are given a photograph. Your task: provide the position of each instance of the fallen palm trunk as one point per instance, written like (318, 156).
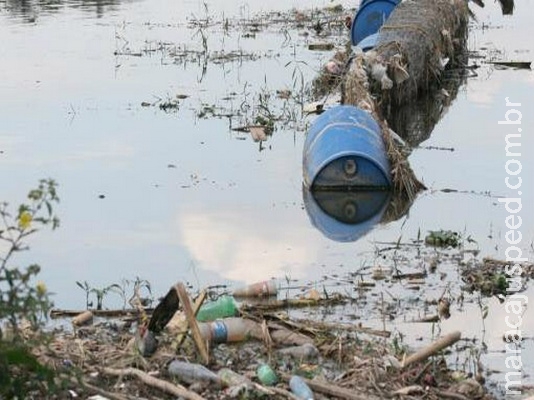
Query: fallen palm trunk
(414, 45)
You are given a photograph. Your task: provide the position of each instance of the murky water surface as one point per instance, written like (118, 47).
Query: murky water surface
(176, 194)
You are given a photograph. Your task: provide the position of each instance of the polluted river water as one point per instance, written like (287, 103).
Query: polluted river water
(130, 106)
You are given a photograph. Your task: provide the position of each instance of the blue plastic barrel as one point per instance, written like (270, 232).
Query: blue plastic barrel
(369, 42)
(344, 149)
(370, 17)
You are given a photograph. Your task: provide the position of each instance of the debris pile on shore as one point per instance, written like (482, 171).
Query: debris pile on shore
(257, 352)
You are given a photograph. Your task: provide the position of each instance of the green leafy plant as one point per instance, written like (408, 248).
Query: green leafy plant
(24, 304)
(99, 293)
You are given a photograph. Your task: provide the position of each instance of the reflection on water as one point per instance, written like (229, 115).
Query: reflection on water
(345, 216)
(416, 120)
(30, 10)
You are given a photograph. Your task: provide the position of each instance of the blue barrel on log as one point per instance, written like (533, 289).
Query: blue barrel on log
(345, 216)
(344, 149)
(370, 17)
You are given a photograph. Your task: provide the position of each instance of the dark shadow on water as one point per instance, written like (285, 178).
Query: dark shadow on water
(30, 11)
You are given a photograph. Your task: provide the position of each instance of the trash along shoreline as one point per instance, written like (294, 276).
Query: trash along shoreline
(248, 343)
(243, 343)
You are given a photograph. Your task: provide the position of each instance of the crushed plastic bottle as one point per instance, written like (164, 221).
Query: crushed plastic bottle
(259, 289)
(266, 375)
(191, 373)
(228, 330)
(223, 307)
(145, 341)
(300, 388)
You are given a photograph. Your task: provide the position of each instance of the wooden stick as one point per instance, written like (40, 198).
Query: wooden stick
(451, 395)
(410, 275)
(284, 393)
(56, 313)
(433, 348)
(333, 390)
(273, 305)
(198, 303)
(427, 320)
(324, 326)
(101, 392)
(167, 387)
(192, 321)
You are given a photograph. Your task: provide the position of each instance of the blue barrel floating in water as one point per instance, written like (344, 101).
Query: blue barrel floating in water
(370, 17)
(345, 216)
(344, 149)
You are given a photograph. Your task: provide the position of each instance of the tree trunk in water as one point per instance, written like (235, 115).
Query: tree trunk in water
(417, 42)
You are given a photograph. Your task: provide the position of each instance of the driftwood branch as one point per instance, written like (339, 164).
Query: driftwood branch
(434, 348)
(164, 386)
(101, 392)
(56, 313)
(450, 395)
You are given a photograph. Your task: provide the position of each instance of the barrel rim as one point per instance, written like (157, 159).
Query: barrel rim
(347, 153)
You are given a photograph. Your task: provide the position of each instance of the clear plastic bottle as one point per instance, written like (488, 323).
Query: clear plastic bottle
(223, 307)
(306, 351)
(259, 289)
(300, 388)
(231, 378)
(191, 373)
(229, 330)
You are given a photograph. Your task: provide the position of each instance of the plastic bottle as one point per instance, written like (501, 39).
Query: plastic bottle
(306, 351)
(259, 289)
(191, 373)
(300, 388)
(228, 330)
(146, 342)
(266, 375)
(223, 307)
(231, 378)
